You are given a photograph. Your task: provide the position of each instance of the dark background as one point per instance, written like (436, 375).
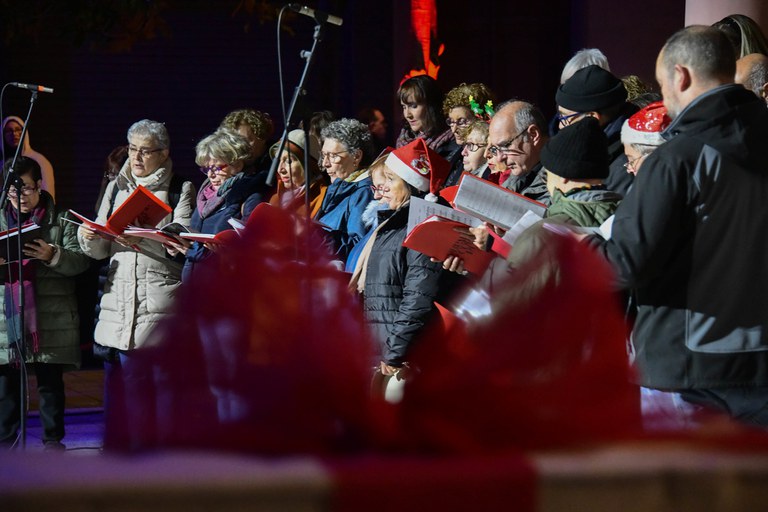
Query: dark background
(194, 61)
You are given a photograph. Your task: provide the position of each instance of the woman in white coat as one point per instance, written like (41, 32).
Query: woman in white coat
(143, 278)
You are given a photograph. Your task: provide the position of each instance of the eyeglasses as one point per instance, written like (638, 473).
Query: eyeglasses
(25, 191)
(567, 119)
(631, 165)
(143, 152)
(471, 146)
(462, 121)
(215, 169)
(504, 148)
(333, 157)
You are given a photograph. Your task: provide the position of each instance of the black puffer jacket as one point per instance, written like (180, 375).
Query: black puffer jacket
(690, 239)
(401, 286)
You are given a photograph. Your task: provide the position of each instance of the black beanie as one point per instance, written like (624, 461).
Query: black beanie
(590, 89)
(578, 151)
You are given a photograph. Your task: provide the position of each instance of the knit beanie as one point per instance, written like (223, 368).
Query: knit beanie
(578, 151)
(646, 125)
(590, 89)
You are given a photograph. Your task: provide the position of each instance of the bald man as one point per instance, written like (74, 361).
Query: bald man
(752, 73)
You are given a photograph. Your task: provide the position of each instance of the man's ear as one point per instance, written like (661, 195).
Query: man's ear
(764, 91)
(535, 134)
(682, 79)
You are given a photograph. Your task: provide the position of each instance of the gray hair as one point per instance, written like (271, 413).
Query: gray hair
(527, 114)
(581, 59)
(643, 149)
(224, 144)
(757, 77)
(152, 130)
(705, 50)
(351, 133)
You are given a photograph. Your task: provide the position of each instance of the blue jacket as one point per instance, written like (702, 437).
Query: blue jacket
(342, 212)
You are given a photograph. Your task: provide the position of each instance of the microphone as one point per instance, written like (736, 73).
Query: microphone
(32, 87)
(319, 16)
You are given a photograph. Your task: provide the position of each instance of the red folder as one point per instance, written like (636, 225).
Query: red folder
(142, 208)
(439, 238)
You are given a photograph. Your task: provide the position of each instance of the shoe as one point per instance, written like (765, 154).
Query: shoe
(54, 446)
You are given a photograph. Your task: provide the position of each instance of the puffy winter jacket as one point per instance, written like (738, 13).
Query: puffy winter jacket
(401, 286)
(140, 286)
(58, 325)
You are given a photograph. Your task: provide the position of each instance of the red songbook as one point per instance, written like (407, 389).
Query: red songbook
(141, 208)
(438, 238)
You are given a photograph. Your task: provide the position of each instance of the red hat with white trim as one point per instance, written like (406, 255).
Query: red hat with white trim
(420, 167)
(645, 125)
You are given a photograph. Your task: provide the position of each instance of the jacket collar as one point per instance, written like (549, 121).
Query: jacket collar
(709, 108)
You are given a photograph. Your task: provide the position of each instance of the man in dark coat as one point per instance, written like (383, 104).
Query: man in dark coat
(690, 239)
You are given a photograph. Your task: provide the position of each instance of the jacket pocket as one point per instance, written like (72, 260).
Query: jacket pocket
(161, 290)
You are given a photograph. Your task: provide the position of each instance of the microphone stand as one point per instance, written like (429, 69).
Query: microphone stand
(298, 92)
(308, 56)
(11, 178)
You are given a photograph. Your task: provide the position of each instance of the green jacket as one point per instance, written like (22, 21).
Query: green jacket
(55, 300)
(582, 207)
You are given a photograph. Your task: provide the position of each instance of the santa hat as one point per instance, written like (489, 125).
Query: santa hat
(646, 125)
(420, 167)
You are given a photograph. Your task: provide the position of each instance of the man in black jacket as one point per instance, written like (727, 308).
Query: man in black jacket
(690, 239)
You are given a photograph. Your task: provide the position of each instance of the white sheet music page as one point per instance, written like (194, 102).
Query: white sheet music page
(494, 204)
(420, 210)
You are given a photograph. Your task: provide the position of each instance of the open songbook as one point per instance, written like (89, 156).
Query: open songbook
(168, 233)
(9, 241)
(438, 238)
(141, 208)
(492, 203)
(476, 201)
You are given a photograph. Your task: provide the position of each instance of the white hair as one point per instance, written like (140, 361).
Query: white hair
(581, 59)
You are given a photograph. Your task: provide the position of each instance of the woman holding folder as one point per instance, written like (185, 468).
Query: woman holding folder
(399, 285)
(142, 278)
(51, 325)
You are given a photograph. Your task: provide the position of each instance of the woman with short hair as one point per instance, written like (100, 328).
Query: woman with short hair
(345, 154)
(222, 156)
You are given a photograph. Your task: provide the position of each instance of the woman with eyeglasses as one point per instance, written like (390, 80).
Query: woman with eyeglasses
(143, 277)
(345, 155)
(463, 105)
(221, 157)
(399, 285)
(50, 320)
(292, 178)
(370, 216)
(474, 160)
